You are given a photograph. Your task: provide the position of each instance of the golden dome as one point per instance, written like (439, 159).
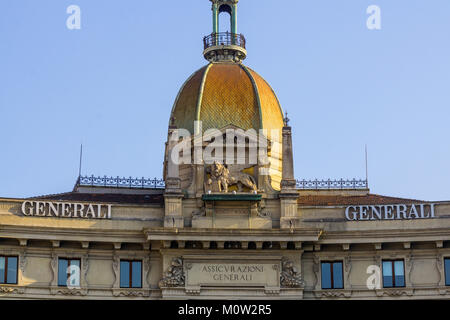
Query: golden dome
(226, 93)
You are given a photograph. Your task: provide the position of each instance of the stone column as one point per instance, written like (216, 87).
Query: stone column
(173, 195)
(289, 194)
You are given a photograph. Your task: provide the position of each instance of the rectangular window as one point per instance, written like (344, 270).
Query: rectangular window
(332, 275)
(447, 271)
(8, 270)
(130, 274)
(69, 272)
(393, 273)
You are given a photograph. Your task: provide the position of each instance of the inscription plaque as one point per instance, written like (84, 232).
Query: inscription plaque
(233, 274)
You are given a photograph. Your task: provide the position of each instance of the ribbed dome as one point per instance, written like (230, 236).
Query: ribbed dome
(221, 94)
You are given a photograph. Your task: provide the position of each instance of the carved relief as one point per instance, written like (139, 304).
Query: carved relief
(333, 294)
(409, 268)
(11, 290)
(439, 268)
(54, 268)
(146, 264)
(84, 271)
(289, 276)
(220, 179)
(316, 265)
(22, 263)
(115, 267)
(348, 268)
(174, 276)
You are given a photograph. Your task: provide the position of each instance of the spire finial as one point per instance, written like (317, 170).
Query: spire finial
(286, 120)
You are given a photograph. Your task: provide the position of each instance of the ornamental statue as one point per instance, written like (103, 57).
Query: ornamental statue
(220, 179)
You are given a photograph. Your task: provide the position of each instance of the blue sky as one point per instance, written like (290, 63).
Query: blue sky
(111, 86)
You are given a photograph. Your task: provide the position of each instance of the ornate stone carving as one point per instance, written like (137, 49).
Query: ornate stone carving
(316, 262)
(130, 293)
(9, 290)
(289, 276)
(348, 268)
(439, 268)
(395, 292)
(147, 267)
(53, 268)
(220, 179)
(334, 294)
(115, 267)
(174, 276)
(70, 292)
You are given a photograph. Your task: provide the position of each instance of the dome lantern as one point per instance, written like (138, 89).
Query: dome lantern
(224, 46)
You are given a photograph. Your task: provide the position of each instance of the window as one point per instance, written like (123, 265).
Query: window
(447, 271)
(69, 272)
(393, 273)
(332, 275)
(8, 270)
(130, 274)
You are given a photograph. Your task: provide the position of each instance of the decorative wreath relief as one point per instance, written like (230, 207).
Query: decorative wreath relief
(289, 276)
(174, 276)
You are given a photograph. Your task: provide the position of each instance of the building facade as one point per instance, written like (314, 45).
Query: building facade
(228, 220)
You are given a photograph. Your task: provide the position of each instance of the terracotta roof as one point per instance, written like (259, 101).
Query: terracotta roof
(339, 200)
(105, 197)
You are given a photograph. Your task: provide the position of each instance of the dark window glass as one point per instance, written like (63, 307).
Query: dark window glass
(8, 270)
(69, 272)
(62, 272)
(12, 270)
(387, 274)
(2, 269)
(130, 274)
(393, 274)
(447, 271)
(136, 280)
(326, 275)
(337, 275)
(399, 273)
(124, 274)
(332, 276)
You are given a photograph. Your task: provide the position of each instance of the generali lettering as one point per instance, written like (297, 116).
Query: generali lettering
(66, 210)
(390, 212)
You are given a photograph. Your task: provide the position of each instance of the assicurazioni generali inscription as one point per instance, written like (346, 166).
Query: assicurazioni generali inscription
(252, 274)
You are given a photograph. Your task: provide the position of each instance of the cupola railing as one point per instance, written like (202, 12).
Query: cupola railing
(224, 39)
(155, 183)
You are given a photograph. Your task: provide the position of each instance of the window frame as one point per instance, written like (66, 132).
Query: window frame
(130, 273)
(6, 270)
(331, 262)
(446, 280)
(392, 262)
(68, 259)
